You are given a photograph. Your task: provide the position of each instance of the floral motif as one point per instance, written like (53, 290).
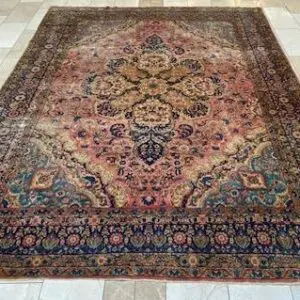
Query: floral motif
(116, 239)
(153, 143)
(179, 238)
(221, 238)
(153, 86)
(263, 238)
(73, 240)
(152, 124)
(154, 62)
(29, 241)
(108, 87)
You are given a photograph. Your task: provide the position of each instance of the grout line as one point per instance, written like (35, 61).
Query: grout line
(134, 291)
(292, 295)
(286, 5)
(165, 290)
(41, 290)
(228, 293)
(104, 289)
(212, 290)
(296, 20)
(102, 296)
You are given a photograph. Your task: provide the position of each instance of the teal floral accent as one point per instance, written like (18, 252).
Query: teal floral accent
(269, 184)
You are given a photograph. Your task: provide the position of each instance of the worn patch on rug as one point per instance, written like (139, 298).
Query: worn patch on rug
(151, 143)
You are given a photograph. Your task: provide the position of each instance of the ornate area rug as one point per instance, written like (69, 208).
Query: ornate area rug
(151, 143)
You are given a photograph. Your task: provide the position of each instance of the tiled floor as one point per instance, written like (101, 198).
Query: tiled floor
(18, 21)
(84, 289)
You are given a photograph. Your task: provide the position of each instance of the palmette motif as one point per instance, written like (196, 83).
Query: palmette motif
(148, 146)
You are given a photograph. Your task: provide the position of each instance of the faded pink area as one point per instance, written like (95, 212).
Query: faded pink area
(237, 106)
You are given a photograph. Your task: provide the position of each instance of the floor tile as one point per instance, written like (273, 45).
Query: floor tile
(2, 18)
(150, 290)
(103, 3)
(279, 17)
(149, 3)
(247, 3)
(175, 2)
(27, 291)
(23, 40)
(119, 290)
(20, 45)
(31, 1)
(259, 292)
(3, 53)
(290, 40)
(293, 5)
(78, 2)
(295, 291)
(7, 65)
(127, 3)
(196, 291)
(271, 3)
(7, 5)
(199, 2)
(297, 18)
(37, 19)
(72, 290)
(230, 3)
(9, 33)
(23, 12)
(48, 3)
(12, 55)
(2, 80)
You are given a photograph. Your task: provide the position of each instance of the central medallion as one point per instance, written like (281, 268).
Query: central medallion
(154, 73)
(152, 115)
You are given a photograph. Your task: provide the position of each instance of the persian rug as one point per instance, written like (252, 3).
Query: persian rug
(151, 143)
